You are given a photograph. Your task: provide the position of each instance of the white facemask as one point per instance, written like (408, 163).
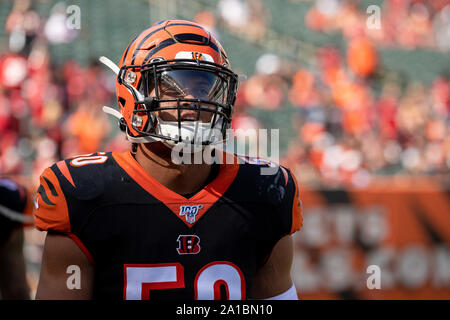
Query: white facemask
(195, 131)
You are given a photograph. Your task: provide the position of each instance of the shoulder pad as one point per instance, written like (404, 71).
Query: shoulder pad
(83, 175)
(67, 182)
(270, 178)
(281, 189)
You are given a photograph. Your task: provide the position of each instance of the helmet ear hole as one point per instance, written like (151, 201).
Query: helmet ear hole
(122, 124)
(134, 147)
(122, 102)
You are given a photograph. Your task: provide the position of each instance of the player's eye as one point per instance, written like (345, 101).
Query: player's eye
(203, 91)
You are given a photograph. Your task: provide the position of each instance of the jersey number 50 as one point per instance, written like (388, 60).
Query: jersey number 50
(140, 279)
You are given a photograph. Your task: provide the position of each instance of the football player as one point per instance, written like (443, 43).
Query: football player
(13, 204)
(140, 225)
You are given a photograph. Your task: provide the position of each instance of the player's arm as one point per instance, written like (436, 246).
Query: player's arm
(13, 283)
(273, 280)
(61, 252)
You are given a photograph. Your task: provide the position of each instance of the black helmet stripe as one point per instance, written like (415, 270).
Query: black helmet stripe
(162, 45)
(185, 37)
(128, 48)
(142, 42)
(182, 37)
(153, 32)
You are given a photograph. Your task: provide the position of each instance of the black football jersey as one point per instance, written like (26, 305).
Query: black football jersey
(13, 201)
(148, 242)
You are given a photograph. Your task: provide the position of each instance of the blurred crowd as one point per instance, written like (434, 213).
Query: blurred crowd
(405, 23)
(349, 125)
(47, 111)
(346, 133)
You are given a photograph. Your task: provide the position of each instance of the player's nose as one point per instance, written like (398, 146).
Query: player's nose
(192, 114)
(192, 103)
(188, 114)
(189, 96)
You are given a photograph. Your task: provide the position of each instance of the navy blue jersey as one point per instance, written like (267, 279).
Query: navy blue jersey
(13, 201)
(148, 242)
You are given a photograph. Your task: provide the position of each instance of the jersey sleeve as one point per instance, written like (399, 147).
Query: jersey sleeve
(50, 206)
(291, 207)
(13, 195)
(13, 204)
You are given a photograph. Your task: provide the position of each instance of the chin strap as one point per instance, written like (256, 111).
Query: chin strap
(118, 115)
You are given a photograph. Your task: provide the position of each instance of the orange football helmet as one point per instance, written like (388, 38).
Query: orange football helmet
(175, 65)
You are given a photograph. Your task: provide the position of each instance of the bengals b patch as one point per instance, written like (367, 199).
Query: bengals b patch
(188, 244)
